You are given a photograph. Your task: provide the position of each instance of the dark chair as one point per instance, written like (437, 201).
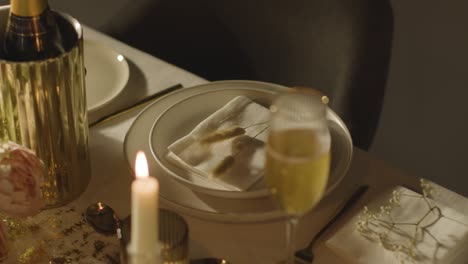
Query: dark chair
(341, 47)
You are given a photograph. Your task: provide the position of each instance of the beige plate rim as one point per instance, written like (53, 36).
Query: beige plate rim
(179, 196)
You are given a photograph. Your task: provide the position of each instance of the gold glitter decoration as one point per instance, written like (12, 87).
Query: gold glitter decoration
(59, 235)
(15, 227)
(33, 254)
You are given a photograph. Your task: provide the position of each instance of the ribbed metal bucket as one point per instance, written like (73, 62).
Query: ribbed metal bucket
(43, 107)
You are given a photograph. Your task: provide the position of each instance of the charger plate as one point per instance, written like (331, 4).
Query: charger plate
(179, 194)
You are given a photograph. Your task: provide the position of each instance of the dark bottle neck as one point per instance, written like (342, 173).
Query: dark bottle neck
(32, 38)
(31, 26)
(28, 8)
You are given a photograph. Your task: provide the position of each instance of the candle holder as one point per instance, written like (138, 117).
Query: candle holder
(43, 107)
(173, 237)
(149, 257)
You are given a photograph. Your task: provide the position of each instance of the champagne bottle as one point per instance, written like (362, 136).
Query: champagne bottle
(32, 32)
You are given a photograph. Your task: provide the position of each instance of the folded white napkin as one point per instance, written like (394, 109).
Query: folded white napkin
(440, 237)
(227, 148)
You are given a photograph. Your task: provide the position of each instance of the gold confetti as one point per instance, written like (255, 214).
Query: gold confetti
(32, 255)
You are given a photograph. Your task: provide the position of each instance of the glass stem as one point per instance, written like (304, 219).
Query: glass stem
(291, 225)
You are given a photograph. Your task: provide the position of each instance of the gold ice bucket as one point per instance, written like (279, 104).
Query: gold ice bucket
(43, 107)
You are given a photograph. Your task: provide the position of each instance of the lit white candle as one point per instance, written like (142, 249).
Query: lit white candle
(144, 228)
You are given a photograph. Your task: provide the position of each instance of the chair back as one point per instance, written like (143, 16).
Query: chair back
(341, 47)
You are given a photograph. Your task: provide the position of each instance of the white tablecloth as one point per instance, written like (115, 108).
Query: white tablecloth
(240, 243)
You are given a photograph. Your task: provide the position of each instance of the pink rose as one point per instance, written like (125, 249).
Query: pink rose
(21, 178)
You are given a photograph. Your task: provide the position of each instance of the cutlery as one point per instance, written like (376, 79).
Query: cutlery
(306, 253)
(136, 105)
(102, 218)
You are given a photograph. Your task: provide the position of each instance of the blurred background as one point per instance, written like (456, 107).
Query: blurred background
(423, 126)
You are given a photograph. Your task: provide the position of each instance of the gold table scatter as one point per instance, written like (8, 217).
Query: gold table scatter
(59, 235)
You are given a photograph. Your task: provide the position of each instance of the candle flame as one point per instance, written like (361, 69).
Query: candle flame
(141, 165)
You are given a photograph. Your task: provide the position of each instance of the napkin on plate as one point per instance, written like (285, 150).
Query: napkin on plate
(369, 237)
(227, 148)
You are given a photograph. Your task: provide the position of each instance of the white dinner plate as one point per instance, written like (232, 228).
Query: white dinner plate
(107, 74)
(181, 118)
(179, 196)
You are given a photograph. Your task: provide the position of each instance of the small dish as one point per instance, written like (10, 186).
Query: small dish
(107, 73)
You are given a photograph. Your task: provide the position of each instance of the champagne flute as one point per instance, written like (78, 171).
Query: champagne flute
(297, 156)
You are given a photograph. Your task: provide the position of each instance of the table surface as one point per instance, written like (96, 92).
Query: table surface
(240, 243)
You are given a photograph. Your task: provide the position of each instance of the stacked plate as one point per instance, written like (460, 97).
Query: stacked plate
(175, 115)
(107, 73)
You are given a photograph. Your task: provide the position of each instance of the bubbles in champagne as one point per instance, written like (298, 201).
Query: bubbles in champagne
(297, 168)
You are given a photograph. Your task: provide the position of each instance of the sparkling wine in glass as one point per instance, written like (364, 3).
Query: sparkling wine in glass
(297, 156)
